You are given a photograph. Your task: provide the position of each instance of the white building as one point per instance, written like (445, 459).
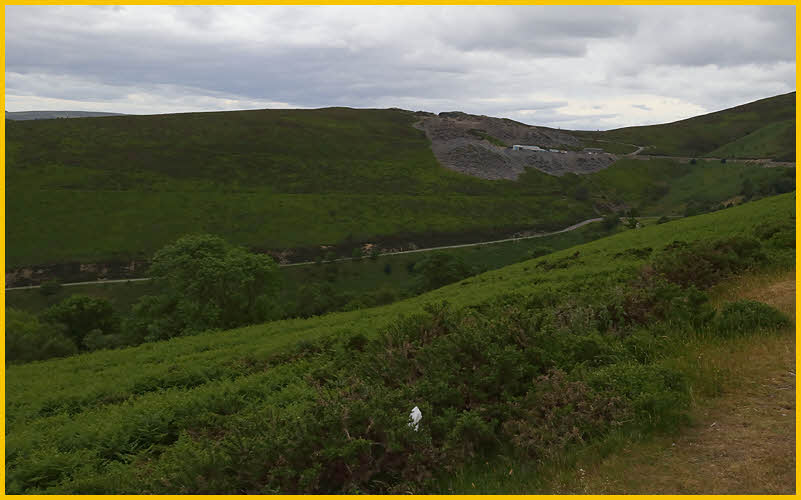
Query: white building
(518, 147)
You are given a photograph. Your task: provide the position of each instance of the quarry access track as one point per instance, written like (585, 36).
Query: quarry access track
(308, 263)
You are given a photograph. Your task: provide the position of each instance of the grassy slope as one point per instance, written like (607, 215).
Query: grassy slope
(122, 187)
(770, 141)
(740, 441)
(704, 134)
(59, 412)
(664, 187)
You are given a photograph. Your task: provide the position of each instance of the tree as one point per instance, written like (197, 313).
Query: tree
(28, 339)
(81, 314)
(610, 220)
(205, 283)
(357, 254)
(439, 268)
(388, 268)
(663, 219)
(748, 189)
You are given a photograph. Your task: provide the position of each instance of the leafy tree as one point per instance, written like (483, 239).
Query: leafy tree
(330, 256)
(205, 284)
(631, 223)
(357, 254)
(748, 189)
(610, 220)
(439, 268)
(28, 339)
(81, 314)
(663, 219)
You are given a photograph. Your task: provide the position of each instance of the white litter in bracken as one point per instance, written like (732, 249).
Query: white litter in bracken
(415, 416)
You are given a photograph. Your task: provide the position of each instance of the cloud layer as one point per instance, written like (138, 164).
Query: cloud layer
(569, 67)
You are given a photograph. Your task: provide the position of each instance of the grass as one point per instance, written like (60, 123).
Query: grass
(765, 121)
(98, 418)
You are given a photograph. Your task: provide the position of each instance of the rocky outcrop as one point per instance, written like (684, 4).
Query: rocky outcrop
(481, 146)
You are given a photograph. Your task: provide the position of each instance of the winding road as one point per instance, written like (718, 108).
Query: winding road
(307, 263)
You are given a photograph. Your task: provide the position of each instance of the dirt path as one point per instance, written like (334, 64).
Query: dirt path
(742, 442)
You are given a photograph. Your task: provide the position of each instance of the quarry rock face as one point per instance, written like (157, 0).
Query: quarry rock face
(471, 144)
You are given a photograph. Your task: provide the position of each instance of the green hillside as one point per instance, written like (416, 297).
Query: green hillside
(771, 141)
(122, 187)
(321, 405)
(768, 122)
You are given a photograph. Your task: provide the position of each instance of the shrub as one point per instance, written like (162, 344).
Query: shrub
(663, 219)
(28, 339)
(610, 221)
(81, 314)
(559, 413)
(439, 269)
(539, 251)
(658, 395)
(745, 316)
(357, 254)
(705, 263)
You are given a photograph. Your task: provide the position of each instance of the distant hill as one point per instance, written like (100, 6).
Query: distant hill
(760, 129)
(49, 115)
(120, 187)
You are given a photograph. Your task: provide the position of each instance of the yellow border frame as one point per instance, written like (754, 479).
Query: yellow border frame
(362, 2)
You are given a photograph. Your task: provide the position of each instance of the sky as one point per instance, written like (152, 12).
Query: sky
(570, 67)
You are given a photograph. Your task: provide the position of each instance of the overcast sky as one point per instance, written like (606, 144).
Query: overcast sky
(560, 66)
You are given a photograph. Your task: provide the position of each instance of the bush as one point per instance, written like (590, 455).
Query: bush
(28, 339)
(704, 263)
(439, 269)
(357, 254)
(610, 221)
(658, 395)
(744, 316)
(663, 219)
(81, 314)
(539, 251)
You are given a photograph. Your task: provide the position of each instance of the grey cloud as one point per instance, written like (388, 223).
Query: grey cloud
(540, 64)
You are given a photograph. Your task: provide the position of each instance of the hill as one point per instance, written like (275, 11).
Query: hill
(49, 115)
(760, 129)
(289, 181)
(321, 405)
